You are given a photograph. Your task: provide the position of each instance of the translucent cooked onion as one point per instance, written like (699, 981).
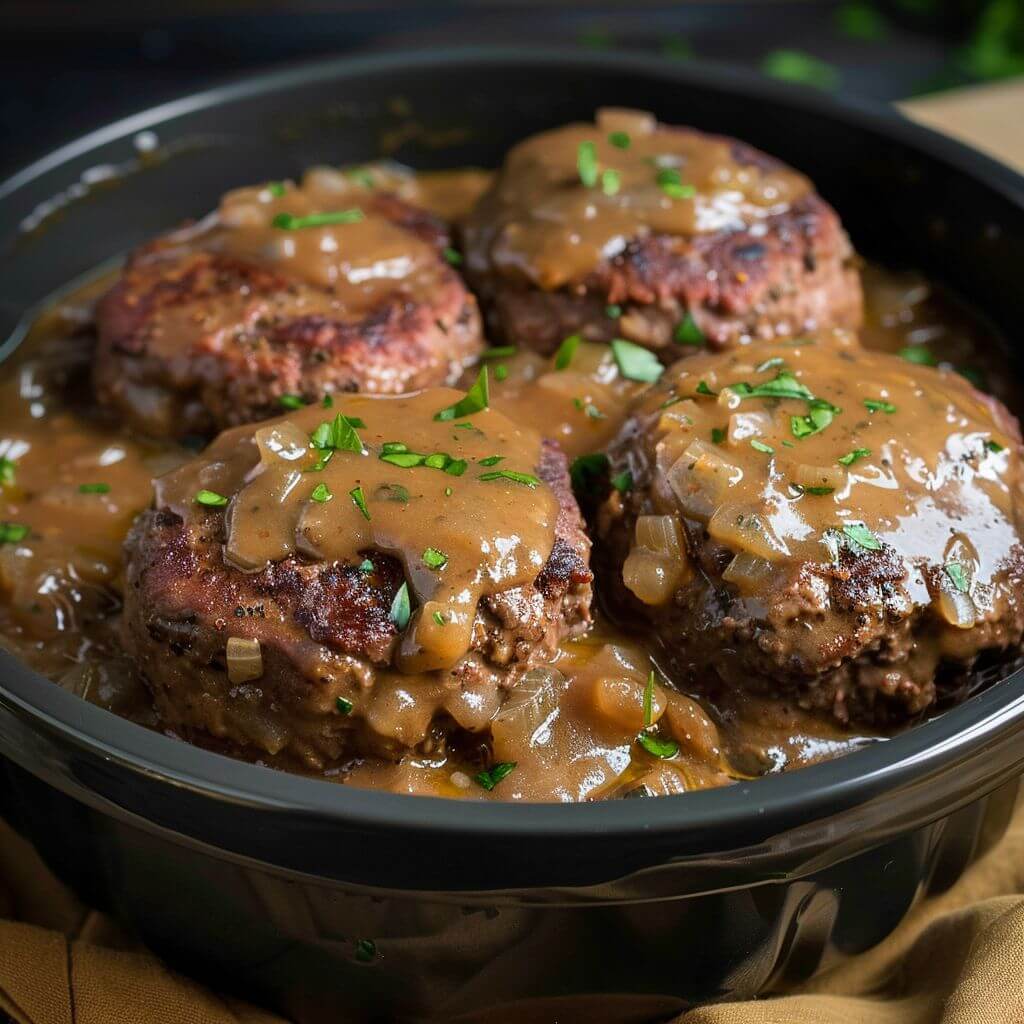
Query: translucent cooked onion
(527, 716)
(691, 727)
(657, 563)
(325, 179)
(623, 119)
(957, 608)
(747, 571)
(683, 414)
(620, 701)
(744, 425)
(739, 529)
(820, 476)
(243, 215)
(281, 441)
(700, 479)
(245, 659)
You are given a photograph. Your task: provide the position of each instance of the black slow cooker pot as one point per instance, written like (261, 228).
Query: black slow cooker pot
(331, 903)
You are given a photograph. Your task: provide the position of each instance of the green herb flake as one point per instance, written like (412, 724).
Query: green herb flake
(586, 163)
(366, 950)
(861, 21)
(918, 354)
(434, 559)
(797, 66)
(620, 140)
(12, 533)
(359, 500)
(343, 706)
(328, 403)
(610, 182)
(211, 499)
(276, 188)
(493, 775)
(366, 566)
(289, 222)
(817, 491)
(656, 747)
(671, 184)
(475, 400)
(635, 362)
(623, 482)
(878, 405)
(613, 312)
(491, 460)
(400, 608)
(703, 389)
(688, 333)
(851, 457)
(718, 435)
(649, 700)
(782, 385)
(453, 256)
(8, 472)
(566, 351)
(291, 401)
(994, 446)
(321, 493)
(94, 488)
(404, 460)
(439, 618)
(500, 372)
(526, 479)
(586, 472)
(448, 492)
(498, 352)
(817, 419)
(456, 467)
(958, 575)
(860, 535)
(760, 446)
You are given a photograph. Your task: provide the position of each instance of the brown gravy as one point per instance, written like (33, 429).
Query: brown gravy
(76, 479)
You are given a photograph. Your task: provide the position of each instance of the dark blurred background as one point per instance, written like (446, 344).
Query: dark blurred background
(71, 66)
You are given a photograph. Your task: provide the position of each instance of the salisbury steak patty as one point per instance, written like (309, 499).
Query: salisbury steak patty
(660, 235)
(388, 582)
(284, 291)
(820, 521)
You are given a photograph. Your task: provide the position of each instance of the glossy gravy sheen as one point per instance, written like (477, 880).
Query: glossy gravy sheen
(572, 728)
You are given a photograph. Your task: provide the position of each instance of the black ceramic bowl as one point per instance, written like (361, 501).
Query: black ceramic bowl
(316, 897)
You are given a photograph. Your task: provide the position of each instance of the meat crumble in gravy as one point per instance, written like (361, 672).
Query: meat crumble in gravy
(74, 480)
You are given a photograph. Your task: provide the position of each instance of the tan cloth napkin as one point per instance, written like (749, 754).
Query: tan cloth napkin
(957, 959)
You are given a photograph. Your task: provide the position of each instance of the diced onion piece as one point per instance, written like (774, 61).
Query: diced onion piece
(282, 441)
(744, 425)
(620, 700)
(625, 119)
(326, 179)
(747, 571)
(645, 330)
(657, 563)
(700, 479)
(739, 529)
(245, 659)
(242, 214)
(957, 608)
(526, 718)
(820, 476)
(691, 727)
(686, 413)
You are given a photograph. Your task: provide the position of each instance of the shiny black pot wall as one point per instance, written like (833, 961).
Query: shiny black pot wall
(315, 897)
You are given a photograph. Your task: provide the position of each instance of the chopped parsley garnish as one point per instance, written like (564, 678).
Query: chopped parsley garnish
(861, 536)
(491, 460)
(400, 608)
(498, 352)
(782, 385)
(366, 950)
(475, 400)
(589, 408)
(289, 222)
(610, 182)
(344, 706)
(620, 140)
(439, 618)
(328, 403)
(453, 256)
(275, 188)
(361, 176)
(404, 460)
(760, 446)
(817, 419)
(613, 311)
(493, 775)
(797, 66)
(917, 354)
(211, 499)
(994, 446)
(291, 401)
(688, 333)
(703, 389)
(8, 472)
(586, 471)
(563, 357)
(649, 700)
(656, 747)
(448, 492)
(623, 482)
(851, 457)
(11, 533)
(338, 435)
(366, 566)
(586, 163)
(359, 500)
(717, 435)
(526, 479)
(636, 363)
(321, 493)
(818, 491)
(94, 488)
(671, 184)
(878, 405)
(500, 372)
(958, 575)
(434, 559)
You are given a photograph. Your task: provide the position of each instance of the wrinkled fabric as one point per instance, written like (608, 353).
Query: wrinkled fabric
(957, 959)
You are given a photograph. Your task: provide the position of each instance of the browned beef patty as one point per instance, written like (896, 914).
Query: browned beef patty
(214, 325)
(673, 236)
(331, 686)
(819, 522)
